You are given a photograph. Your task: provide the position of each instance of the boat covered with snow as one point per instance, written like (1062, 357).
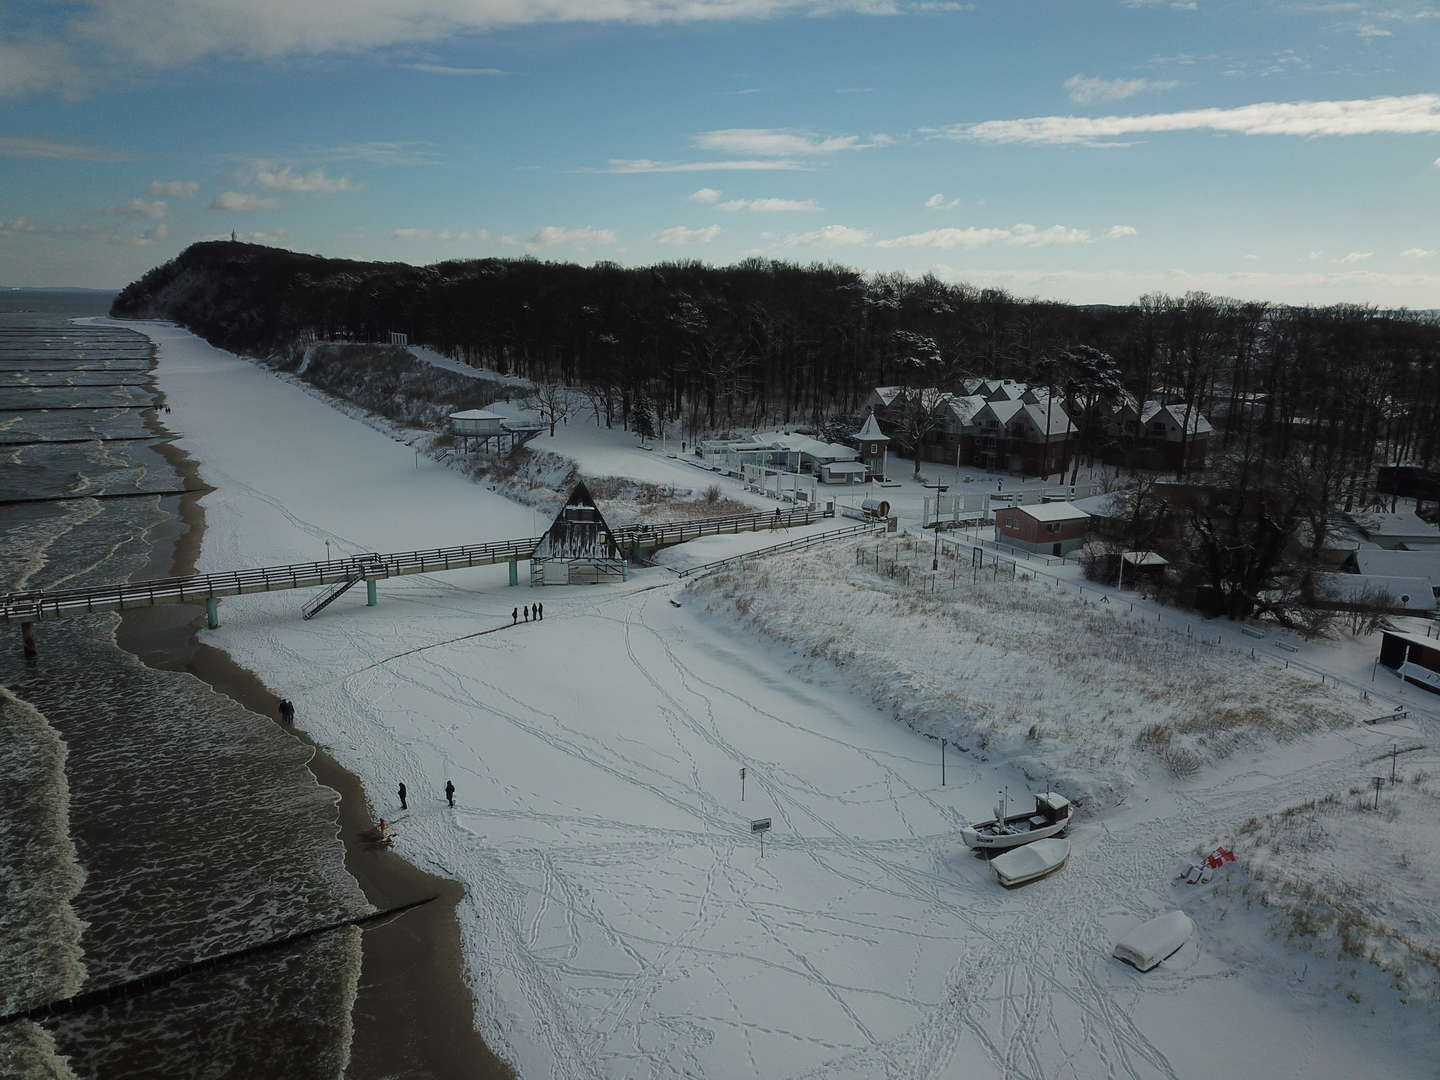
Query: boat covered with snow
(1050, 817)
(1155, 941)
(1031, 861)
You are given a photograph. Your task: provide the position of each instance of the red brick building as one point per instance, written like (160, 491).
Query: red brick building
(1046, 528)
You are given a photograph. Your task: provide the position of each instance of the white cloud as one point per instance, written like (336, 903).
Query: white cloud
(941, 5)
(1370, 30)
(1418, 253)
(557, 234)
(447, 236)
(645, 165)
(242, 202)
(1250, 258)
(829, 236)
(174, 189)
(705, 195)
(1356, 257)
(776, 142)
(1115, 232)
(939, 202)
(108, 40)
(1415, 114)
(315, 182)
(770, 206)
(415, 152)
(143, 208)
(1088, 90)
(443, 69)
(679, 234)
(23, 225)
(1178, 5)
(972, 237)
(152, 235)
(22, 146)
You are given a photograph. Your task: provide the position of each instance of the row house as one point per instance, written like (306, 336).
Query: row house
(1158, 437)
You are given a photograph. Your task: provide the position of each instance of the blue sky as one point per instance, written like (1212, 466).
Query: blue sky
(1085, 150)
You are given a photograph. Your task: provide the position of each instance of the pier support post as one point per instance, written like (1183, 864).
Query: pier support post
(27, 636)
(514, 565)
(624, 571)
(212, 612)
(370, 598)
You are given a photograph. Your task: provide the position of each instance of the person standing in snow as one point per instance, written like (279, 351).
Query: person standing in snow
(450, 794)
(514, 615)
(527, 612)
(401, 793)
(540, 611)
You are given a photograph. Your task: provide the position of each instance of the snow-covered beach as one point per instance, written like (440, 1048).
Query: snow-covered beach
(619, 918)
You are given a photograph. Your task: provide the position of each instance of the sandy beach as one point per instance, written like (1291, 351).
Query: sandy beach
(413, 1015)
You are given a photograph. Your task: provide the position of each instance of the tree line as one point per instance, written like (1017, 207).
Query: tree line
(762, 341)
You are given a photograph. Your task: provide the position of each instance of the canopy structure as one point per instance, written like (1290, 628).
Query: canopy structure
(579, 543)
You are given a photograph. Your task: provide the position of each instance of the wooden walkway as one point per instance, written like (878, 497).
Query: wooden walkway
(634, 540)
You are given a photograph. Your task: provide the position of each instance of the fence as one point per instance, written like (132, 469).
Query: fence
(775, 549)
(903, 557)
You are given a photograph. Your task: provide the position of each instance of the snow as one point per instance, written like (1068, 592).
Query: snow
(619, 920)
(1422, 563)
(1056, 511)
(476, 414)
(1151, 942)
(1403, 525)
(1409, 593)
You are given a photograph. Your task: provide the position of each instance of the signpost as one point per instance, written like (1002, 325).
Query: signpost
(761, 826)
(742, 783)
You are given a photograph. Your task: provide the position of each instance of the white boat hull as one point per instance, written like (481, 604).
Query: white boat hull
(1030, 862)
(983, 837)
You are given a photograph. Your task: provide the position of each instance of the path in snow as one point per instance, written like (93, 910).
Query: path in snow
(619, 920)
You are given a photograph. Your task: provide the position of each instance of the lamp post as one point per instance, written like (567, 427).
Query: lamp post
(935, 558)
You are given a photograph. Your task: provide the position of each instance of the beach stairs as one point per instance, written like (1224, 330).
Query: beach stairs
(330, 595)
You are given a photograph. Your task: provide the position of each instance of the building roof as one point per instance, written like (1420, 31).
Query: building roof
(1106, 505)
(1197, 424)
(1400, 593)
(964, 408)
(1053, 415)
(1392, 525)
(1005, 411)
(1058, 511)
(1414, 639)
(475, 414)
(871, 432)
(843, 467)
(1144, 558)
(1421, 563)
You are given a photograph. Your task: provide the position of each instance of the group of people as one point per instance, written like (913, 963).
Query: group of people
(449, 795)
(538, 610)
(287, 711)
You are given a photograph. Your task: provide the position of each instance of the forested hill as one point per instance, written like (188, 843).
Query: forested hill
(764, 340)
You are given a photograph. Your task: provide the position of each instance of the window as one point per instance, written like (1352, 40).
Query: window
(1052, 527)
(874, 448)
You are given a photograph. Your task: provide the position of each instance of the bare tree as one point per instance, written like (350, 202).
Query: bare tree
(552, 400)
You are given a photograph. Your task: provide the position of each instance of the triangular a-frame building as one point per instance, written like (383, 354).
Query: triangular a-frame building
(579, 547)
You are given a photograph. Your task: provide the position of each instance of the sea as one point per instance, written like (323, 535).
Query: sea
(146, 821)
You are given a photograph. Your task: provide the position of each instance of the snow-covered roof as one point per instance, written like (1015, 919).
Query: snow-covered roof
(1414, 639)
(887, 394)
(1391, 525)
(964, 408)
(1145, 558)
(1195, 425)
(1056, 511)
(871, 431)
(1106, 505)
(1420, 563)
(843, 467)
(475, 414)
(1053, 415)
(1004, 410)
(1403, 593)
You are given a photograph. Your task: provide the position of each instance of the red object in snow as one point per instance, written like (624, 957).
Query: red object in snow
(1214, 861)
(1226, 854)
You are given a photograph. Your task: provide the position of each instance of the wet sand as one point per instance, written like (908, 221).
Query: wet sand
(414, 1012)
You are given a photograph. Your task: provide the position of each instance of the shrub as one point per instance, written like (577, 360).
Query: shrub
(712, 494)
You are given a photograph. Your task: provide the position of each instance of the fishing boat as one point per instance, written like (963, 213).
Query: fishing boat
(1050, 817)
(1032, 861)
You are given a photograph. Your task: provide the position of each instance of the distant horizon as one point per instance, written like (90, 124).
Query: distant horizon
(1088, 152)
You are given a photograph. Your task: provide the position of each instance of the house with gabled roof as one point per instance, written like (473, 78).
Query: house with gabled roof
(579, 548)
(1020, 437)
(1158, 436)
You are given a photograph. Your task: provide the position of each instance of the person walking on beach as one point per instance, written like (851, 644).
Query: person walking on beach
(401, 793)
(287, 711)
(450, 794)
(514, 615)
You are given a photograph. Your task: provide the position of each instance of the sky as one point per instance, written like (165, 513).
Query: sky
(1081, 150)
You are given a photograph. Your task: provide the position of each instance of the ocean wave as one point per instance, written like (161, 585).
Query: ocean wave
(40, 874)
